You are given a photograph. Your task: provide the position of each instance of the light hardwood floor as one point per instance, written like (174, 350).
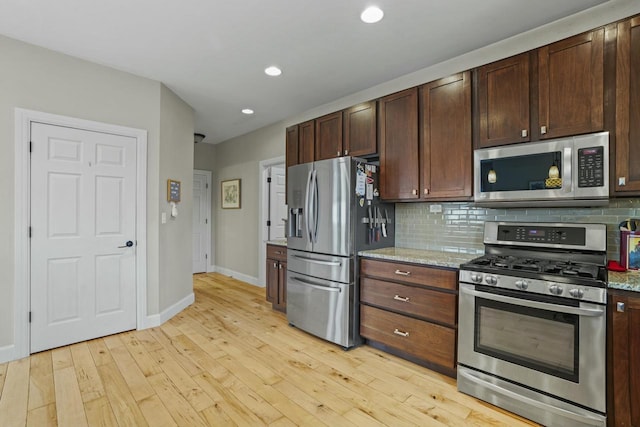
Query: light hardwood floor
(229, 359)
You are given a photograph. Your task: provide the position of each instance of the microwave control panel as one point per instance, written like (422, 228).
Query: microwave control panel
(591, 167)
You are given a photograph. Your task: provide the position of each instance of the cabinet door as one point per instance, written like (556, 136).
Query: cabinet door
(292, 149)
(398, 136)
(627, 167)
(445, 116)
(328, 136)
(570, 86)
(272, 280)
(282, 286)
(360, 130)
(625, 353)
(306, 141)
(503, 102)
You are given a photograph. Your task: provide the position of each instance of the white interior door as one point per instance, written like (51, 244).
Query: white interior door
(83, 254)
(277, 205)
(201, 235)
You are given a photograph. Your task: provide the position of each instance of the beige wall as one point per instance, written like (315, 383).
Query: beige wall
(235, 231)
(240, 157)
(176, 163)
(39, 79)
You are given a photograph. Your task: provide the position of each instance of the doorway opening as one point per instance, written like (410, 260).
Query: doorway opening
(272, 208)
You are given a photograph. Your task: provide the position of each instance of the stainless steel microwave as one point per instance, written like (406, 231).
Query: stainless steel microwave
(572, 171)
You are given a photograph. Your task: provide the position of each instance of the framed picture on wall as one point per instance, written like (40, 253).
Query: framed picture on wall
(230, 194)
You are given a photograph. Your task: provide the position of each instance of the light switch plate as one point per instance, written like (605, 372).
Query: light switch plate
(163, 218)
(435, 208)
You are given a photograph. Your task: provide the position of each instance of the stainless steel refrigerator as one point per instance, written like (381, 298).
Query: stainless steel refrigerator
(334, 212)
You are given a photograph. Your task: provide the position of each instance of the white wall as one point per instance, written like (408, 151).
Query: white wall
(39, 79)
(240, 156)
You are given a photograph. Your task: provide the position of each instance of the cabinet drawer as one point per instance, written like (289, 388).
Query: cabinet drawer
(277, 252)
(424, 340)
(421, 302)
(410, 273)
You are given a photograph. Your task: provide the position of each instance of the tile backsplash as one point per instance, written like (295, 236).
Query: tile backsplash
(459, 227)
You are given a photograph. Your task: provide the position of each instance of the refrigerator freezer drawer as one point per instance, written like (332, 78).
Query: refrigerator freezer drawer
(333, 268)
(320, 307)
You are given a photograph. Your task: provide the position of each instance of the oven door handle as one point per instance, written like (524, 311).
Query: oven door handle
(534, 304)
(584, 418)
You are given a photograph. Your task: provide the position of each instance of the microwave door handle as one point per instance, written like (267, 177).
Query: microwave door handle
(534, 304)
(567, 173)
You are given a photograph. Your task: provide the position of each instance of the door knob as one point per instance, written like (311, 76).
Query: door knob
(127, 245)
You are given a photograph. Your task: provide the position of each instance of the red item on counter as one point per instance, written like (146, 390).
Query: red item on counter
(615, 266)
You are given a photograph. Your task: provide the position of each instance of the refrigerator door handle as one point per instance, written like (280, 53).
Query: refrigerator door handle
(318, 261)
(307, 213)
(314, 201)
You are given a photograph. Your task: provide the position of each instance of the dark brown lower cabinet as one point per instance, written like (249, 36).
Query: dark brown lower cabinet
(410, 310)
(277, 277)
(623, 409)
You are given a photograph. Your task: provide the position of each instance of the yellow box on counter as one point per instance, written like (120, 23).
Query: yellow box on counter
(630, 249)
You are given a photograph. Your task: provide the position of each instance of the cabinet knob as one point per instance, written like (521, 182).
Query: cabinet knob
(346, 152)
(414, 192)
(426, 191)
(622, 181)
(280, 266)
(275, 265)
(543, 130)
(403, 273)
(524, 133)
(620, 307)
(338, 153)
(399, 298)
(401, 333)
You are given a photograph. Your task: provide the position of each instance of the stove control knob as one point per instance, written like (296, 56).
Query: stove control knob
(555, 289)
(476, 278)
(522, 284)
(576, 293)
(491, 280)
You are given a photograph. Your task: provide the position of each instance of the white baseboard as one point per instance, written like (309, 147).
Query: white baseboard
(244, 277)
(154, 320)
(8, 353)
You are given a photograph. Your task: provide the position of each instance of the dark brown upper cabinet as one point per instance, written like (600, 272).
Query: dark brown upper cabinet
(503, 102)
(398, 136)
(627, 146)
(445, 138)
(292, 146)
(571, 86)
(300, 143)
(360, 130)
(328, 143)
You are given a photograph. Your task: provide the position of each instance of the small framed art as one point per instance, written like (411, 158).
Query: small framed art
(230, 194)
(173, 191)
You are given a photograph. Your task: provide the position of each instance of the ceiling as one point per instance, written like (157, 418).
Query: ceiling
(212, 53)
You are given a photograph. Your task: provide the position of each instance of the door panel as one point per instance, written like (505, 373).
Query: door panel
(199, 222)
(277, 203)
(83, 282)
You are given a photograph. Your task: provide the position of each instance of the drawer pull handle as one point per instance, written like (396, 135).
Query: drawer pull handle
(401, 333)
(399, 298)
(403, 273)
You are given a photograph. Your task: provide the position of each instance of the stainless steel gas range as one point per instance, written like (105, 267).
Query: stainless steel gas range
(532, 322)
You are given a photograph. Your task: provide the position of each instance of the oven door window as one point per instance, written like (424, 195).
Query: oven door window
(541, 171)
(542, 340)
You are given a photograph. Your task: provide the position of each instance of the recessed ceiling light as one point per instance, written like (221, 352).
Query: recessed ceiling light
(372, 15)
(272, 71)
(247, 111)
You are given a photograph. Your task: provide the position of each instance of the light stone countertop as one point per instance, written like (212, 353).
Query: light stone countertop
(628, 281)
(625, 280)
(420, 256)
(281, 242)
